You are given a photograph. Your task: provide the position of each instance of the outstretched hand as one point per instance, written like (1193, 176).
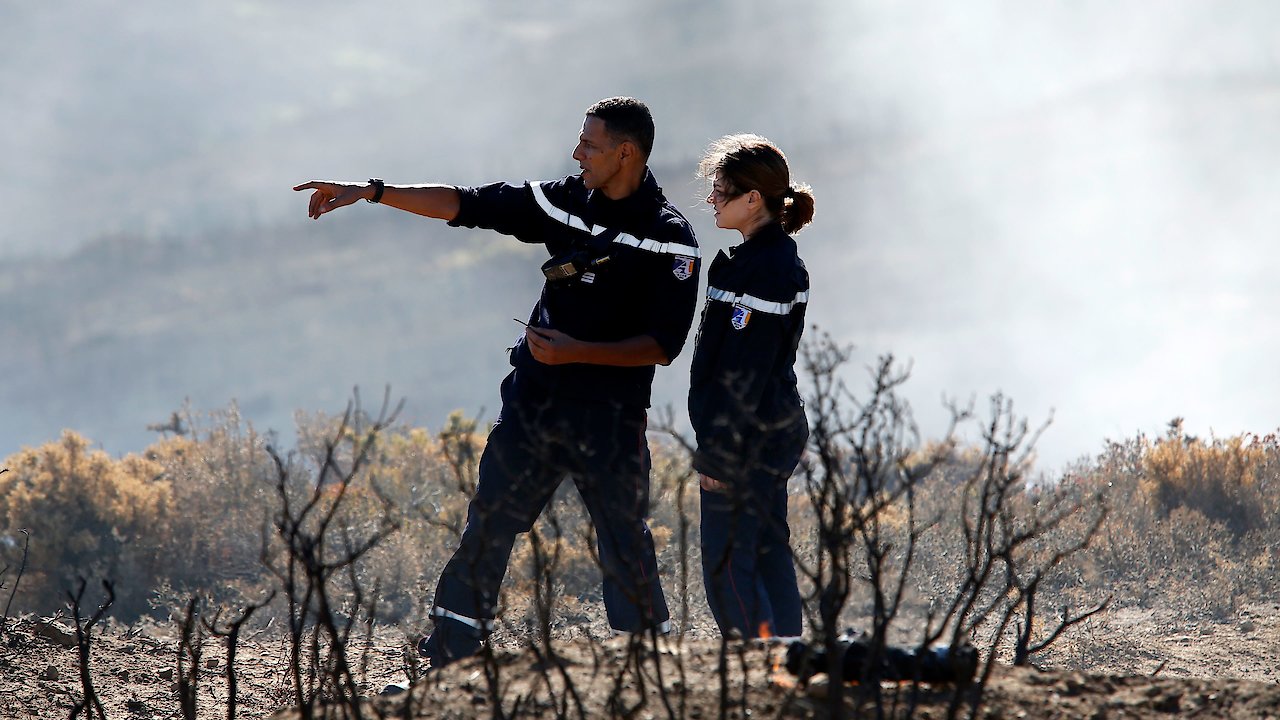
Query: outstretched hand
(330, 195)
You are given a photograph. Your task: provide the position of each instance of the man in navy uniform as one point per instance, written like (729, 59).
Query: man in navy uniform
(619, 298)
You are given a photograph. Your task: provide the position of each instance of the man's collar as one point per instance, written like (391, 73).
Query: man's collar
(648, 188)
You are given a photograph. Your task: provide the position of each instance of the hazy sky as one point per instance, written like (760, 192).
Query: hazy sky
(1109, 175)
(1071, 202)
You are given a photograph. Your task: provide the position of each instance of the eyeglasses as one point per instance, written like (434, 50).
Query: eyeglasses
(723, 195)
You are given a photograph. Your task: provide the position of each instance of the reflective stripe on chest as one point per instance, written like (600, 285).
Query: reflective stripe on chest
(755, 303)
(564, 217)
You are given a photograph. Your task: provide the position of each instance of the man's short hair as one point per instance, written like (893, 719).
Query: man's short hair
(626, 118)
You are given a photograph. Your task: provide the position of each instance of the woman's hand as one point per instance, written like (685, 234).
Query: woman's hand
(710, 484)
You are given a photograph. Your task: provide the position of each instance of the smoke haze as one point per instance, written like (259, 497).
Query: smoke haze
(1069, 202)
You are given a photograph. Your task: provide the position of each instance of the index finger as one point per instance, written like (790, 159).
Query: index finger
(312, 185)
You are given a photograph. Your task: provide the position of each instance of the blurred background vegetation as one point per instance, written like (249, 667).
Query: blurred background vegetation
(1191, 525)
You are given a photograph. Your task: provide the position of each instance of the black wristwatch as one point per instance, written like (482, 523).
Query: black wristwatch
(378, 187)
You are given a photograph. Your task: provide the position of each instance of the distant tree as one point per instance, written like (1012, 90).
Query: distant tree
(87, 514)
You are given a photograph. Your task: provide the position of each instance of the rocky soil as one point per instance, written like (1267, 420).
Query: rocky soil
(1130, 663)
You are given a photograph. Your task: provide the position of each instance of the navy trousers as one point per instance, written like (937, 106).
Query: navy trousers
(535, 444)
(747, 567)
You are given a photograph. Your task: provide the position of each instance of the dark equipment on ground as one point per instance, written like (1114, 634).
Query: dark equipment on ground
(938, 664)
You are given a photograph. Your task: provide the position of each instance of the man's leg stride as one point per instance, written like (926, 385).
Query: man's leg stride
(514, 485)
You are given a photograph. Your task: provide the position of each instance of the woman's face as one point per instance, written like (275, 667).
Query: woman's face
(733, 210)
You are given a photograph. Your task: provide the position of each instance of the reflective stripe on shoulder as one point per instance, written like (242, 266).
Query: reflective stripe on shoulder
(577, 223)
(667, 248)
(755, 303)
(556, 213)
(485, 625)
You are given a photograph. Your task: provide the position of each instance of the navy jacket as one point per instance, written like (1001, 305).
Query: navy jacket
(743, 380)
(648, 285)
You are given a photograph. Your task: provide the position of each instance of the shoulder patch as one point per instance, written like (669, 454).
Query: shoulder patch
(740, 317)
(682, 267)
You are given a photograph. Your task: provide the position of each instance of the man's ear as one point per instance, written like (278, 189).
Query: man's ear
(627, 150)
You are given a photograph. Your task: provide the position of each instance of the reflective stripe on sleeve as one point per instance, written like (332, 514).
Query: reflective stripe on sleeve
(755, 303)
(667, 248)
(485, 625)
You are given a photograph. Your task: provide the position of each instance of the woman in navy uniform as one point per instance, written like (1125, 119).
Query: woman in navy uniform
(743, 401)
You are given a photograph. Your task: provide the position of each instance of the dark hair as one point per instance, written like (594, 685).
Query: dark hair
(626, 118)
(748, 162)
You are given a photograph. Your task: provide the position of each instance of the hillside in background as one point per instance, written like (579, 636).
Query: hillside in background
(125, 331)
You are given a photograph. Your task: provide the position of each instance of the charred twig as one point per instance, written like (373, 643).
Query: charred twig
(90, 705)
(190, 648)
(1024, 650)
(862, 463)
(232, 633)
(22, 568)
(865, 477)
(545, 563)
(310, 563)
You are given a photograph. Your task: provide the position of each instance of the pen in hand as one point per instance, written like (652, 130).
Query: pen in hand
(531, 327)
(536, 330)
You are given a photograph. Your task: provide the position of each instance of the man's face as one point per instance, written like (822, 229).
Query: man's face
(598, 154)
